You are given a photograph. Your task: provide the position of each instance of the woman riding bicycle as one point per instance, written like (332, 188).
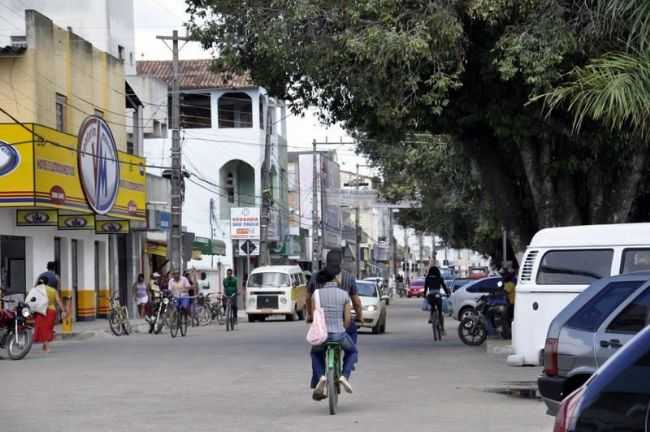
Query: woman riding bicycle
(432, 285)
(336, 304)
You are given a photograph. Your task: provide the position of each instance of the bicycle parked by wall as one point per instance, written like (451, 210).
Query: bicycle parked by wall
(118, 321)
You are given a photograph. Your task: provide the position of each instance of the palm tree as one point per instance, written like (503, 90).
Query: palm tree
(614, 88)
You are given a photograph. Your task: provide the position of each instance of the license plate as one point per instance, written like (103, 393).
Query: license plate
(266, 310)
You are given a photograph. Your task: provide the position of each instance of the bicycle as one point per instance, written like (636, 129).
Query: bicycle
(178, 318)
(231, 318)
(216, 309)
(118, 320)
(436, 324)
(202, 312)
(334, 372)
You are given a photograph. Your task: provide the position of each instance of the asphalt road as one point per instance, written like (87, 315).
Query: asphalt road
(256, 379)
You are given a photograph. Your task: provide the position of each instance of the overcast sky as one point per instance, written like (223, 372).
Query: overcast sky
(160, 17)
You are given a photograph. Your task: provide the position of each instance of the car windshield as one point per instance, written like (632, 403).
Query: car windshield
(367, 289)
(268, 279)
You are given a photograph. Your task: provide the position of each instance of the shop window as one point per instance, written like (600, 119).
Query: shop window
(261, 112)
(235, 111)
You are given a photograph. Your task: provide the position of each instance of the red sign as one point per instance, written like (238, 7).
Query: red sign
(57, 195)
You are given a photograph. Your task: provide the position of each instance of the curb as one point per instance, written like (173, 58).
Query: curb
(523, 390)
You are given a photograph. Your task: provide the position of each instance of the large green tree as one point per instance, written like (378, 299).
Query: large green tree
(465, 70)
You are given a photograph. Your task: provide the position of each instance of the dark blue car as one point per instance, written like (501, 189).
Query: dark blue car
(616, 398)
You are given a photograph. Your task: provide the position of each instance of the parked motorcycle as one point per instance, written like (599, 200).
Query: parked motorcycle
(490, 317)
(159, 314)
(16, 330)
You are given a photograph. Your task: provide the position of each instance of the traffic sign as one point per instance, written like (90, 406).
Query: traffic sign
(249, 247)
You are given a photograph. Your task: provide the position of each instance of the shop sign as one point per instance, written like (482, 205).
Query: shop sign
(245, 223)
(208, 246)
(112, 226)
(99, 167)
(156, 249)
(36, 217)
(77, 222)
(52, 169)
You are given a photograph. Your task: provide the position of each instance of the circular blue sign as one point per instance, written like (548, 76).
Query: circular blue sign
(9, 158)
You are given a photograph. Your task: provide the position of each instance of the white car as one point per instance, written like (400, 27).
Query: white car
(374, 306)
(383, 286)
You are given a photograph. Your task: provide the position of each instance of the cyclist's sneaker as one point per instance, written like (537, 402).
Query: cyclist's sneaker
(320, 391)
(345, 384)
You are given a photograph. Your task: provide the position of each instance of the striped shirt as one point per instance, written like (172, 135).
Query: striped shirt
(333, 300)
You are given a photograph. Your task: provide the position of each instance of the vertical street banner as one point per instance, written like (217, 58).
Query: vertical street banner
(245, 223)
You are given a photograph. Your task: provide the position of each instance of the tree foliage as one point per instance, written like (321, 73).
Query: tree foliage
(460, 72)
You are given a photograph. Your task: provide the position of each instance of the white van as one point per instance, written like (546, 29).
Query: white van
(276, 290)
(559, 264)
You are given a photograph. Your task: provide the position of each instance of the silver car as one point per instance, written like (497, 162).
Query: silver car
(463, 300)
(589, 330)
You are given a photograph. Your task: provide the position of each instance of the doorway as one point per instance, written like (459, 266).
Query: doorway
(12, 265)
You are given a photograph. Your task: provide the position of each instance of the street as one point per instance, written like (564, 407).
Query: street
(256, 379)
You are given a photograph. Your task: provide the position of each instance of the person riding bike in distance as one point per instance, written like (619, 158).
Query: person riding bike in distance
(179, 287)
(230, 290)
(337, 305)
(432, 285)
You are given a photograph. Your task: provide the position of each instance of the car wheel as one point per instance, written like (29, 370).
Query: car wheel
(465, 312)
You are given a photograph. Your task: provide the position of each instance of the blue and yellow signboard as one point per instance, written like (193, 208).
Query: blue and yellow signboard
(45, 168)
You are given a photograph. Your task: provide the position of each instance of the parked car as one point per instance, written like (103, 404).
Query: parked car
(454, 284)
(589, 330)
(463, 300)
(416, 288)
(616, 398)
(374, 306)
(478, 272)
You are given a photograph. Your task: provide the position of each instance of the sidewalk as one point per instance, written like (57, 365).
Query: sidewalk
(82, 330)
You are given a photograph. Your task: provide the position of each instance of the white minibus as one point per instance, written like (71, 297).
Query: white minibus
(276, 290)
(559, 264)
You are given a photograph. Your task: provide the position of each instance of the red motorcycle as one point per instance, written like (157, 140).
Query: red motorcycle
(16, 330)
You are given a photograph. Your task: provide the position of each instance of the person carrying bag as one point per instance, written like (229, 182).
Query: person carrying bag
(317, 334)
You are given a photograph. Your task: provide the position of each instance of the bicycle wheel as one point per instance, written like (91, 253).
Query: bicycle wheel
(219, 315)
(205, 316)
(184, 319)
(172, 321)
(435, 325)
(126, 324)
(332, 390)
(228, 320)
(115, 323)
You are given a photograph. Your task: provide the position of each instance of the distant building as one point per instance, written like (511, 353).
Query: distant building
(223, 121)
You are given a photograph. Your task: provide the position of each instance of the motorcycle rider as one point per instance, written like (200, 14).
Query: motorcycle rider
(432, 285)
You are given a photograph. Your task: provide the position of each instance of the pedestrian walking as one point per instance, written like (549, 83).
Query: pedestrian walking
(44, 323)
(50, 275)
(141, 296)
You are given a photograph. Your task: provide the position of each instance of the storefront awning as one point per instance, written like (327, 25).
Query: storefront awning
(42, 167)
(209, 247)
(156, 249)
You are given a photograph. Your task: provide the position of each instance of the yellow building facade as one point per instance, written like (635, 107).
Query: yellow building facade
(69, 191)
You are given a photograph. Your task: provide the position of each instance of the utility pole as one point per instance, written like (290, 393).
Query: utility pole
(211, 233)
(266, 192)
(357, 229)
(505, 247)
(392, 266)
(421, 244)
(176, 235)
(314, 214)
(407, 254)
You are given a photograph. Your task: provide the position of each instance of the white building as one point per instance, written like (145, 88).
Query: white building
(107, 24)
(223, 138)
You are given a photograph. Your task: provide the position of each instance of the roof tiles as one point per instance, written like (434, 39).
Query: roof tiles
(194, 75)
